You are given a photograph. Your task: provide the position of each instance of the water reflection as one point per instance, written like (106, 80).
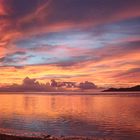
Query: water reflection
(100, 116)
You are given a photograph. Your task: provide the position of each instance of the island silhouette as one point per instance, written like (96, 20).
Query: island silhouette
(134, 88)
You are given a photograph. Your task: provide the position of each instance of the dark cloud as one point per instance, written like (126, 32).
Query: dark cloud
(8, 60)
(94, 11)
(13, 58)
(131, 72)
(35, 16)
(89, 11)
(80, 10)
(83, 85)
(37, 13)
(87, 85)
(18, 9)
(19, 53)
(29, 84)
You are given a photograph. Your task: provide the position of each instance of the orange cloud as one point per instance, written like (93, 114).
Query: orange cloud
(24, 20)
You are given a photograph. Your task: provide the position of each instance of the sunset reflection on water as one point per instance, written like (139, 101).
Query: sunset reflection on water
(114, 116)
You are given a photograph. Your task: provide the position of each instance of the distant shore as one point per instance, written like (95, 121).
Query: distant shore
(129, 89)
(97, 93)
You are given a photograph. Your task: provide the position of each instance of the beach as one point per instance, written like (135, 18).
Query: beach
(47, 137)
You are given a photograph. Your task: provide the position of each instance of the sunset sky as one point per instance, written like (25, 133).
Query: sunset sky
(70, 40)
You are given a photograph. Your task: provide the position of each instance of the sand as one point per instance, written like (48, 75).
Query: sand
(49, 137)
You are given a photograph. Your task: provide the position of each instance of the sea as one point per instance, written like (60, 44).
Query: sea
(113, 116)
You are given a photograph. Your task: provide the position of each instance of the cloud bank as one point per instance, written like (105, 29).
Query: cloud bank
(32, 85)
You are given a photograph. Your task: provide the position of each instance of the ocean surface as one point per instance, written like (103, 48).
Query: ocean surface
(115, 116)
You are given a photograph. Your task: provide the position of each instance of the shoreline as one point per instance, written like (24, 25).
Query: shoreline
(74, 93)
(47, 137)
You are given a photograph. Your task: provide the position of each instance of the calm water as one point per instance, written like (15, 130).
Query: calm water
(117, 117)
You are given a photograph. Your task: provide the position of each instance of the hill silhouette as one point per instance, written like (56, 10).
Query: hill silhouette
(134, 88)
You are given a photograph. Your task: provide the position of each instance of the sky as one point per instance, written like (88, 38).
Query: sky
(70, 40)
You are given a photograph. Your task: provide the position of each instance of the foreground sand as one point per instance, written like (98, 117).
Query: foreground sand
(10, 137)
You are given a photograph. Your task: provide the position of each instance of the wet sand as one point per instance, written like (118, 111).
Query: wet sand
(48, 137)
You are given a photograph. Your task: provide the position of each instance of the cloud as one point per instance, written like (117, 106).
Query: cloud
(29, 84)
(84, 37)
(87, 85)
(81, 12)
(15, 58)
(131, 72)
(107, 53)
(36, 16)
(61, 76)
